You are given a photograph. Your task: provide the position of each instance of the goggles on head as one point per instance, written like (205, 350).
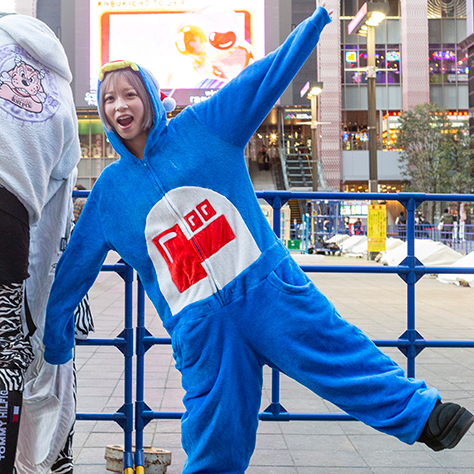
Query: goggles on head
(114, 66)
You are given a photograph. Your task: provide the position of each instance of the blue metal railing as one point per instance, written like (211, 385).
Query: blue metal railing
(124, 343)
(410, 343)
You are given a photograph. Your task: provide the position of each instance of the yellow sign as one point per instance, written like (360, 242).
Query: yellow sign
(377, 228)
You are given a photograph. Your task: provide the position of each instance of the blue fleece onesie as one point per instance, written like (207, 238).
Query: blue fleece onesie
(228, 292)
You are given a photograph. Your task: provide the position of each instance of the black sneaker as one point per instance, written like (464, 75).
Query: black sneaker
(445, 427)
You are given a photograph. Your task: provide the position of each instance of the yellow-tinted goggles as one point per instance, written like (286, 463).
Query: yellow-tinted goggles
(114, 65)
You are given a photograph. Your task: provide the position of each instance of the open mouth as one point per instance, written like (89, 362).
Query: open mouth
(125, 120)
(22, 92)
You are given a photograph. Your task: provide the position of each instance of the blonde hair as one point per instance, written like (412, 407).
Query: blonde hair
(137, 83)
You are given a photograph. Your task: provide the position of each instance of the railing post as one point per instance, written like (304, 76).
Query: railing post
(140, 403)
(128, 405)
(411, 282)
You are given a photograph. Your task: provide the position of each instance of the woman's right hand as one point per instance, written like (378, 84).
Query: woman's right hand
(323, 4)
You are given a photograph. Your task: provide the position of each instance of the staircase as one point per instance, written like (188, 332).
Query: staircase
(299, 170)
(295, 210)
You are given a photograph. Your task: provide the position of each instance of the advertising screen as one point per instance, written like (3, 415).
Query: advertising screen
(193, 47)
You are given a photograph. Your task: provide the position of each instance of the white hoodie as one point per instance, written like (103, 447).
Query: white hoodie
(39, 144)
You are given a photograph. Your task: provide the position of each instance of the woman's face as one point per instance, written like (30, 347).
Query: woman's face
(124, 110)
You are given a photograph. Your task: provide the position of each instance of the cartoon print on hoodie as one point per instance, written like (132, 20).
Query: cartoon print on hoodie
(22, 86)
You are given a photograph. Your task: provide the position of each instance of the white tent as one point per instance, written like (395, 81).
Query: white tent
(460, 278)
(355, 245)
(428, 252)
(392, 243)
(339, 239)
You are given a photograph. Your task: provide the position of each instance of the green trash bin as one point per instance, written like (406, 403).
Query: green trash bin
(294, 244)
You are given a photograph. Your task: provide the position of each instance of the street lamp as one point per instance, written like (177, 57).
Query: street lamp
(312, 90)
(364, 23)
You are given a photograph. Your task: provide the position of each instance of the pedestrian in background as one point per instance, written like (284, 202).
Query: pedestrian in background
(445, 226)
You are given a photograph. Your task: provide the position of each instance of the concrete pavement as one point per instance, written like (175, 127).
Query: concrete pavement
(375, 303)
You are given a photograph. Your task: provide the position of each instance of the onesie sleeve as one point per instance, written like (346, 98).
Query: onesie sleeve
(76, 271)
(236, 111)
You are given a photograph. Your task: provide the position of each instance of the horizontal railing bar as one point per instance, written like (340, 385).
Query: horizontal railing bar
(421, 343)
(118, 342)
(112, 268)
(401, 270)
(264, 416)
(340, 196)
(446, 344)
(286, 416)
(148, 414)
(101, 416)
(353, 269)
(156, 340)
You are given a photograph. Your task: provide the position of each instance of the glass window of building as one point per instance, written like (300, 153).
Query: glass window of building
(392, 63)
(354, 61)
(448, 64)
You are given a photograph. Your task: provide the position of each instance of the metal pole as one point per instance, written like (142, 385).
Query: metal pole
(371, 81)
(314, 140)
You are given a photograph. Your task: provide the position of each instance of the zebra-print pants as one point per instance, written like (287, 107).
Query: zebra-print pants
(16, 352)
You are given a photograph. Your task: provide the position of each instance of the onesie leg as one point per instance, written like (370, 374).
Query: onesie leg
(297, 330)
(223, 382)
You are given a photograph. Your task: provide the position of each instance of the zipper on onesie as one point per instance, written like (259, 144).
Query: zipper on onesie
(182, 222)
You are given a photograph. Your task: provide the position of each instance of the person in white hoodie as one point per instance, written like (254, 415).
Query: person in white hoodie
(39, 149)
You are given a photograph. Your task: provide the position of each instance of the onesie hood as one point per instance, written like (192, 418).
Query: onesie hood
(161, 104)
(38, 40)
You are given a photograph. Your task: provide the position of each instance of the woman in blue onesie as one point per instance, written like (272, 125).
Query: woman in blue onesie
(179, 207)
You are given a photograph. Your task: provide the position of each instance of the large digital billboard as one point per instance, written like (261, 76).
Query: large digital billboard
(193, 47)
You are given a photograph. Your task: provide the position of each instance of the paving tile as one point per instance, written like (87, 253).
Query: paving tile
(456, 459)
(272, 457)
(317, 443)
(91, 469)
(388, 458)
(271, 441)
(333, 470)
(379, 442)
(327, 458)
(91, 456)
(103, 439)
(271, 470)
(410, 470)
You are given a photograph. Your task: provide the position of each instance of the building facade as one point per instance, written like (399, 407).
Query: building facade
(419, 60)
(418, 55)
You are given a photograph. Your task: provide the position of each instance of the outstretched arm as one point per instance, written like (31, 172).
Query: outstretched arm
(76, 272)
(236, 111)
